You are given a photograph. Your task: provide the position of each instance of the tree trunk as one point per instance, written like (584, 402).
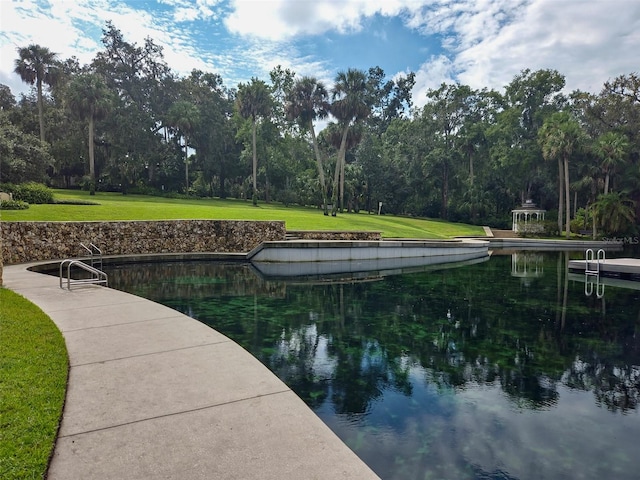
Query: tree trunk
(594, 194)
(445, 190)
(323, 183)
(342, 164)
(92, 161)
(606, 183)
(151, 172)
(186, 164)
(40, 109)
(223, 193)
(267, 186)
(567, 195)
(560, 197)
(255, 163)
(336, 175)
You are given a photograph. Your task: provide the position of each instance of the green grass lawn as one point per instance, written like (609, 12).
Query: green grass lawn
(33, 379)
(115, 206)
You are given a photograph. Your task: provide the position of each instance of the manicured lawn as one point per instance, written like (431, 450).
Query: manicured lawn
(33, 379)
(114, 206)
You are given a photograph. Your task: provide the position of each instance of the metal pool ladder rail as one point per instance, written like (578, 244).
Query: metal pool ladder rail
(97, 276)
(590, 258)
(95, 255)
(592, 269)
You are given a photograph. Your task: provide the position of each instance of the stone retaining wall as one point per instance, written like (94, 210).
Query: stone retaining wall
(36, 241)
(334, 235)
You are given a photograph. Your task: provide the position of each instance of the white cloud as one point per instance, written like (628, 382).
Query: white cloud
(485, 43)
(488, 42)
(431, 75)
(587, 42)
(73, 28)
(284, 19)
(190, 10)
(30, 23)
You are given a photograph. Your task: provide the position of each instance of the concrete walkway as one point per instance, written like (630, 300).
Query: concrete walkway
(154, 394)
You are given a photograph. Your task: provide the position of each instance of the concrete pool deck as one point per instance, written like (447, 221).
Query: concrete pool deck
(153, 393)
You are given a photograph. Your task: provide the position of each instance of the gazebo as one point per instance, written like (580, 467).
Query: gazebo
(528, 218)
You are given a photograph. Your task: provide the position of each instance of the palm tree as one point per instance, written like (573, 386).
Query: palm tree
(185, 116)
(252, 102)
(589, 180)
(89, 99)
(36, 64)
(306, 102)
(558, 137)
(332, 135)
(615, 212)
(351, 104)
(611, 147)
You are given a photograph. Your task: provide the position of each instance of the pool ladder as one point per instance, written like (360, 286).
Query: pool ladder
(95, 255)
(591, 270)
(96, 275)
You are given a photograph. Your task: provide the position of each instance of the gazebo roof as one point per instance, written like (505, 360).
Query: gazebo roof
(528, 206)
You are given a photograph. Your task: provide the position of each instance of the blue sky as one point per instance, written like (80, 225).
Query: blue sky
(482, 43)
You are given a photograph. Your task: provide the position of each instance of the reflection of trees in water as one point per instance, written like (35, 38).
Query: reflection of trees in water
(191, 280)
(527, 338)
(326, 351)
(475, 325)
(616, 387)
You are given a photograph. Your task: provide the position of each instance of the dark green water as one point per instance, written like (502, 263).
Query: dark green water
(477, 372)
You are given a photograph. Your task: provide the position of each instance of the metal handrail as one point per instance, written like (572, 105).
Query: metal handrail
(93, 250)
(86, 248)
(589, 272)
(97, 276)
(591, 258)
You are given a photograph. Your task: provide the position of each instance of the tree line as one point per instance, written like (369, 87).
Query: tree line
(127, 122)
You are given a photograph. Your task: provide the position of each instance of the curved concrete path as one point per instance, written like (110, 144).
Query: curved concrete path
(155, 394)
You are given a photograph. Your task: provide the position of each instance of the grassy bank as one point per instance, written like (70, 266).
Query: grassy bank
(34, 366)
(115, 206)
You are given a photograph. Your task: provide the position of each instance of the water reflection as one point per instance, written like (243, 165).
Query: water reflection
(460, 373)
(527, 265)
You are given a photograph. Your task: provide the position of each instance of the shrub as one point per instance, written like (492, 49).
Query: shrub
(287, 197)
(13, 205)
(577, 226)
(531, 229)
(31, 192)
(550, 229)
(74, 201)
(87, 184)
(8, 188)
(501, 223)
(582, 222)
(141, 189)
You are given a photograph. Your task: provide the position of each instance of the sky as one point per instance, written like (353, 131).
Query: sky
(480, 43)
